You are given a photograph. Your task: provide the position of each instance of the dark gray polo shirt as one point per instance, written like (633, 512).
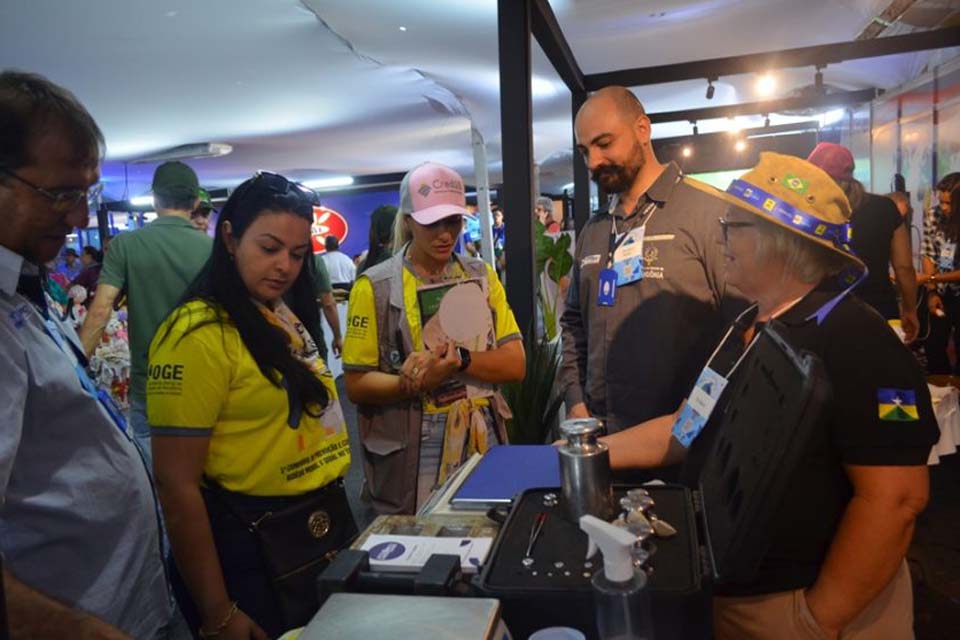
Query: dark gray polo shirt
(638, 358)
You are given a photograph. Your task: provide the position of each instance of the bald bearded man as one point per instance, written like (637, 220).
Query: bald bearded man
(632, 351)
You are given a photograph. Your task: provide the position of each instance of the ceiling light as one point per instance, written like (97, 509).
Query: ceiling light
(567, 187)
(687, 151)
(402, 28)
(142, 201)
(696, 131)
(733, 126)
(766, 120)
(186, 152)
(832, 117)
(710, 89)
(740, 146)
(766, 85)
(329, 183)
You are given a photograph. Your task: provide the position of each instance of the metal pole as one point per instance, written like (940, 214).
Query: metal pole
(482, 179)
(516, 126)
(103, 224)
(581, 178)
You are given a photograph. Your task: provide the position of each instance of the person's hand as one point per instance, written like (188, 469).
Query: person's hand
(443, 364)
(336, 345)
(935, 305)
(578, 410)
(241, 627)
(922, 279)
(910, 324)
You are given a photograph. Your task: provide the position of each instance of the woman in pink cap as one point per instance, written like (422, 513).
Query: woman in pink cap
(429, 337)
(880, 238)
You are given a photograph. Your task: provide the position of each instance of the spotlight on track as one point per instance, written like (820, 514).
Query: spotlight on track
(710, 89)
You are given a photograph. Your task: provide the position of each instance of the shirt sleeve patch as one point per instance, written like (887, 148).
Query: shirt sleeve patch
(897, 405)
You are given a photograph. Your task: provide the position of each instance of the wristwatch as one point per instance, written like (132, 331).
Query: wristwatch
(464, 355)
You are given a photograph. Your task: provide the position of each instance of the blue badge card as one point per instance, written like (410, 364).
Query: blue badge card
(948, 250)
(607, 288)
(628, 258)
(698, 407)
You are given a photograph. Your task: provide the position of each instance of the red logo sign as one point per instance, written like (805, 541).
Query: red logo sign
(327, 222)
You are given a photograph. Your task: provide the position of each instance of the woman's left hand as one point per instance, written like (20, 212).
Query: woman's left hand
(442, 364)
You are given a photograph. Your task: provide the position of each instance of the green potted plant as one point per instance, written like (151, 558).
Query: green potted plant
(534, 401)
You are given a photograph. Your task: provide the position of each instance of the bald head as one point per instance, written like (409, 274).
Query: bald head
(618, 100)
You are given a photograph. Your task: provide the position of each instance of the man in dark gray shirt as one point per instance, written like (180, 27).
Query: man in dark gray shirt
(635, 355)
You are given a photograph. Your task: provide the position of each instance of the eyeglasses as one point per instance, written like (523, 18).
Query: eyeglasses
(63, 200)
(280, 185)
(725, 225)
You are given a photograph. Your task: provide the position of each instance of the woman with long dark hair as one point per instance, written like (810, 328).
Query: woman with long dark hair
(248, 438)
(941, 273)
(381, 237)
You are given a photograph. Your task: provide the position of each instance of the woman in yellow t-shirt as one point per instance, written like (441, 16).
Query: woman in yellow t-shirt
(249, 444)
(429, 335)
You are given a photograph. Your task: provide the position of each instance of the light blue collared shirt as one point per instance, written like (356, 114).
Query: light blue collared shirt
(77, 512)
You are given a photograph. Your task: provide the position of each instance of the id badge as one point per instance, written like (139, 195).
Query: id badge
(607, 289)
(628, 258)
(947, 253)
(698, 407)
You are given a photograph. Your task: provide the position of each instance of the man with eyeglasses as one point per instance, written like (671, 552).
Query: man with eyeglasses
(155, 264)
(79, 530)
(647, 298)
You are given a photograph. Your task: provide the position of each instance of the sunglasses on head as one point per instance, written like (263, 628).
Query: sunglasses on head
(281, 186)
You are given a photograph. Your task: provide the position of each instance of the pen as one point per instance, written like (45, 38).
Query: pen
(535, 531)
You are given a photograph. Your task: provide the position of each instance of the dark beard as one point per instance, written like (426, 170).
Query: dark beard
(617, 178)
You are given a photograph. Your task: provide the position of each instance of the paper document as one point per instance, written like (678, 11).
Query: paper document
(410, 553)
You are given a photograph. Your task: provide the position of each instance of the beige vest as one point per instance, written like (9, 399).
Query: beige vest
(390, 434)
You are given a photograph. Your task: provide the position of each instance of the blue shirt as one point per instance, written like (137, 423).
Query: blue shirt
(78, 518)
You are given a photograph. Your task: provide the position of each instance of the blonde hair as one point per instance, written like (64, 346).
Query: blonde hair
(401, 233)
(854, 191)
(802, 259)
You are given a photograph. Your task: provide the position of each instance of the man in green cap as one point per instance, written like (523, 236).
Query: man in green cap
(200, 218)
(154, 264)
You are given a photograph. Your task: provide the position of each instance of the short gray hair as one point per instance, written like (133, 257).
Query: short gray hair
(546, 203)
(803, 259)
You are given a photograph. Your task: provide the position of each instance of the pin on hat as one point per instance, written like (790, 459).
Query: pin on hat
(431, 192)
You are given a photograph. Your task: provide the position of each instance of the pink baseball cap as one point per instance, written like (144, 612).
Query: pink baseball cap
(835, 160)
(431, 192)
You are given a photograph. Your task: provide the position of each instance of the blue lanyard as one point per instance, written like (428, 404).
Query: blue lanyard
(88, 385)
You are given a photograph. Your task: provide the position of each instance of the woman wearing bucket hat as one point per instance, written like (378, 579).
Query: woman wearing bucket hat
(429, 336)
(834, 564)
(880, 238)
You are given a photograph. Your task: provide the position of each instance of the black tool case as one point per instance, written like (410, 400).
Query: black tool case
(769, 414)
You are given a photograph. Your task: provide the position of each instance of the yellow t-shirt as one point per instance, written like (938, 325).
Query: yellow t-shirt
(361, 351)
(205, 383)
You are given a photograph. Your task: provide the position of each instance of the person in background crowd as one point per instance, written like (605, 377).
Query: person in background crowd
(71, 266)
(328, 305)
(92, 260)
(941, 275)
(359, 257)
(154, 265)
(248, 405)
(499, 242)
(880, 238)
(339, 265)
(632, 356)
(412, 437)
(200, 218)
(381, 237)
(862, 481)
(543, 210)
(79, 531)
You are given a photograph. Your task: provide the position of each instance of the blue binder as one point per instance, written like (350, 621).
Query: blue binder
(504, 472)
